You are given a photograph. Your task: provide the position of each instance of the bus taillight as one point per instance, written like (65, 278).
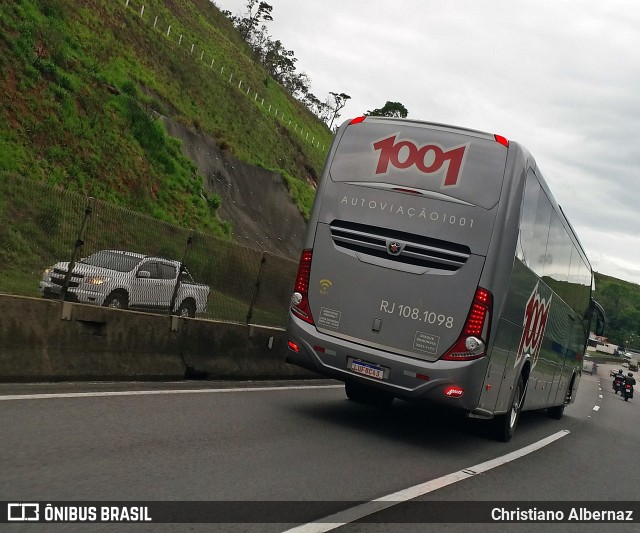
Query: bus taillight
(471, 343)
(502, 140)
(300, 300)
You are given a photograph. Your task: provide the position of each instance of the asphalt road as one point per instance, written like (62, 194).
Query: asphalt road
(293, 442)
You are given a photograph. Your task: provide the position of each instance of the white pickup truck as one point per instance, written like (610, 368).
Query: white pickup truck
(127, 280)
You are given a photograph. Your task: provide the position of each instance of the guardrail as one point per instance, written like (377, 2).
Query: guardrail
(45, 340)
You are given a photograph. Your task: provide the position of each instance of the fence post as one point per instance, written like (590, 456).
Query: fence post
(174, 296)
(256, 288)
(78, 244)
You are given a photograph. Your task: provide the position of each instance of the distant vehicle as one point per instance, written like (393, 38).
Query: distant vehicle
(435, 258)
(625, 365)
(633, 367)
(589, 367)
(618, 383)
(127, 280)
(627, 390)
(614, 372)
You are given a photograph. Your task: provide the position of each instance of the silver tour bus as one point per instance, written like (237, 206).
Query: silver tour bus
(438, 266)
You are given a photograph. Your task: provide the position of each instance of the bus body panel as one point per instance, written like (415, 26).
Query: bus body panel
(382, 189)
(380, 303)
(555, 367)
(404, 302)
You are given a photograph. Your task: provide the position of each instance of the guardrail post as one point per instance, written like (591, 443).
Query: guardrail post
(177, 286)
(256, 288)
(78, 244)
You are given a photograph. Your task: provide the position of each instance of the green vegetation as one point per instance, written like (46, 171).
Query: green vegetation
(83, 81)
(621, 302)
(390, 109)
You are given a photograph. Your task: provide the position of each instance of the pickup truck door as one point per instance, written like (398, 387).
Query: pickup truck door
(155, 290)
(169, 277)
(143, 287)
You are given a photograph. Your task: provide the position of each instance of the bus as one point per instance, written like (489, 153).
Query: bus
(438, 267)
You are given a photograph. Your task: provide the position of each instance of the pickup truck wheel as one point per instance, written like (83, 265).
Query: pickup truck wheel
(117, 300)
(187, 309)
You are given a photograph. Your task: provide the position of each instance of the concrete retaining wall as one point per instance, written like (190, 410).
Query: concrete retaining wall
(45, 340)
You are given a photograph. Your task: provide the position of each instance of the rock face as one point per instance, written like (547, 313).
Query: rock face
(255, 201)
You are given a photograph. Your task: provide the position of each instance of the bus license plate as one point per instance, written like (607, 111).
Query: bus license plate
(367, 369)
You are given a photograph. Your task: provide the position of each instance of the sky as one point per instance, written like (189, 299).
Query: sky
(561, 77)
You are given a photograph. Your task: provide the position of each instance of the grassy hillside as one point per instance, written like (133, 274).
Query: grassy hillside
(81, 82)
(621, 302)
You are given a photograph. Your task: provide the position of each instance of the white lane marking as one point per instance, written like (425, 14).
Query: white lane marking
(596, 408)
(360, 511)
(150, 392)
(600, 396)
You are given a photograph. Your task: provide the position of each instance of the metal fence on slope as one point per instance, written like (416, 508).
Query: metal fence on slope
(58, 244)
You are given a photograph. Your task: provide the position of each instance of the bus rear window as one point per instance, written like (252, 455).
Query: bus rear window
(455, 164)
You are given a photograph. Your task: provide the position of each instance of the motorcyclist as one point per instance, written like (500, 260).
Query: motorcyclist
(630, 380)
(618, 381)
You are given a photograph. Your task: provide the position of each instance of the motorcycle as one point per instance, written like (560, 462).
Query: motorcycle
(618, 384)
(627, 391)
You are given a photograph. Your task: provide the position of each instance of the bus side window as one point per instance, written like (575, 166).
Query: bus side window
(539, 254)
(600, 317)
(528, 219)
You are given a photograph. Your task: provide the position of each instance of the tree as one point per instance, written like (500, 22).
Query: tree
(336, 103)
(298, 85)
(390, 109)
(317, 107)
(278, 60)
(247, 25)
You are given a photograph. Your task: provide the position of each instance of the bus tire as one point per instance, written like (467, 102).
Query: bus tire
(557, 411)
(504, 426)
(367, 395)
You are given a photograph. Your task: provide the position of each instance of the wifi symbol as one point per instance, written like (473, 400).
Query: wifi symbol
(324, 285)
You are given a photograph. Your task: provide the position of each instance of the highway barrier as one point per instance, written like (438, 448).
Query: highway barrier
(49, 340)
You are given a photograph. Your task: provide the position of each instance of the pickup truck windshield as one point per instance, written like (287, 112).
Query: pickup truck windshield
(113, 261)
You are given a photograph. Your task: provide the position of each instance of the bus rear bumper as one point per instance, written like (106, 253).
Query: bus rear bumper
(455, 383)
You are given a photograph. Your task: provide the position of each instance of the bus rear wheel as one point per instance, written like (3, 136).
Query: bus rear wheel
(367, 395)
(557, 411)
(504, 426)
